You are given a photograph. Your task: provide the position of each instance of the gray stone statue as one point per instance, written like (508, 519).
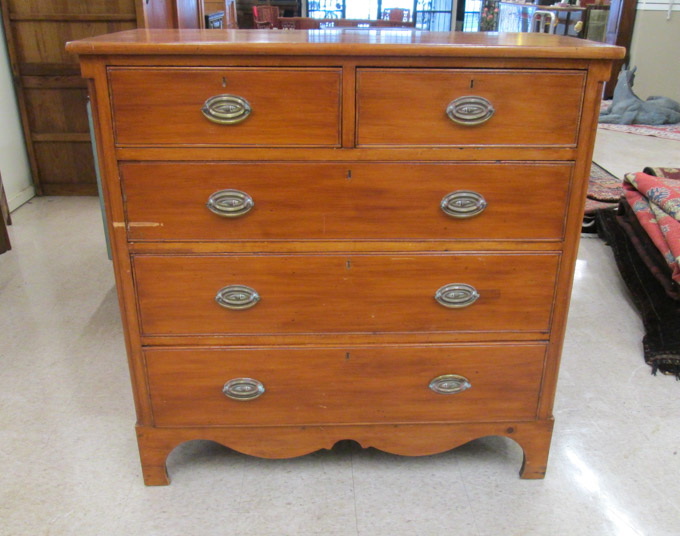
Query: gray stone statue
(629, 109)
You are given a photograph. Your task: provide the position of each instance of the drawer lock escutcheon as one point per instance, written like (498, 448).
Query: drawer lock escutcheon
(243, 389)
(226, 109)
(470, 110)
(450, 384)
(237, 297)
(230, 203)
(456, 295)
(463, 204)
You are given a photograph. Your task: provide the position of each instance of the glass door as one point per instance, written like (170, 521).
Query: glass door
(433, 15)
(326, 9)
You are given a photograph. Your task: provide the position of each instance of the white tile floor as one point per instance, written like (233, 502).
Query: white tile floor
(68, 456)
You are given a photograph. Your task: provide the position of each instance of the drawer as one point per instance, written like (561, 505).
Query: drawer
(344, 293)
(344, 385)
(288, 107)
(298, 201)
(409, 107)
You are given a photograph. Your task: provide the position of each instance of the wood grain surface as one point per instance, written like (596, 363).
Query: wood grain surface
(352, 200)
(344, 385)
(344, 293)
(347, 157)
(408, 107)
(289, 106)
(385, 43)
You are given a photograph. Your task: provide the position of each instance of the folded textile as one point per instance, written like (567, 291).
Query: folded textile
(648, 252)
(660, 314)
(604, 191)
(656, 204)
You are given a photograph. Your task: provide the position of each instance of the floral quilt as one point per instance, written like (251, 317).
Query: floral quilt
(655, 200)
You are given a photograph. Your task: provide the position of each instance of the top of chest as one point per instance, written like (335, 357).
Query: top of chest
(344, 42)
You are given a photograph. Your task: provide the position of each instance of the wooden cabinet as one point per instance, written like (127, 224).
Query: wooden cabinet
(182, 14)
(51, 95)
(344, 236)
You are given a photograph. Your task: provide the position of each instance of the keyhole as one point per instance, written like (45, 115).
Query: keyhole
(224, 81)
(472, 84)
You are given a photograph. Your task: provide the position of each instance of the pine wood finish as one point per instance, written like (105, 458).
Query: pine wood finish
(346, 244)
(343, 200)
(319, 386)
(548, 116)
(143, 106)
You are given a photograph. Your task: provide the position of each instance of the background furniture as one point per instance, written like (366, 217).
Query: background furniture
(397, 14)
(266, 17)
(620, 26)
(514, 17)
(50, 93)
(308, 23)
(214, 21)
(225, 8)
(5, 220)
(244, 8)
(318, 263)
(183, 14)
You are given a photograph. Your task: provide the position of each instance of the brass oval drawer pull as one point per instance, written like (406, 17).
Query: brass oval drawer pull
(230, 203)
(237, 297)
(470, 110)
(456, 295)
(226, 109)
(450, 384)
(463, 204)
(243, 389)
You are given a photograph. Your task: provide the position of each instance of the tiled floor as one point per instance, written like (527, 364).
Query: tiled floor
(68, 456)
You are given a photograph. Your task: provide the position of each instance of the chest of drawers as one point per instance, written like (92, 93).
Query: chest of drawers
(333, 235)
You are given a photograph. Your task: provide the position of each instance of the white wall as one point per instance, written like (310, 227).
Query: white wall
(655, 49)
(16, 173)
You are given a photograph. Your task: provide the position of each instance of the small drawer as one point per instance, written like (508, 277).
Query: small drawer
(300, 294)
(298, 201)
(226, 106)
(382, 384)
(445, 107)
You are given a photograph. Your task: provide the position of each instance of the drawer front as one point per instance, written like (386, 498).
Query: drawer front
(288, 107)
(348, 385)
(409, 107)
(340, 294)
(296, 201)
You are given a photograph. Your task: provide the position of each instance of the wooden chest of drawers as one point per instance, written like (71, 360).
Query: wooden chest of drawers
(343, 234)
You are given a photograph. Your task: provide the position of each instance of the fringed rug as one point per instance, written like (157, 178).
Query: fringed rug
(604, 191)
(660, 313)
(669, 132)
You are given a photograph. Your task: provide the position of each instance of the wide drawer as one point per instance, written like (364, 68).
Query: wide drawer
(344, 293)
(343, 385)
(165, 106)
(409, 107)
(298, 201)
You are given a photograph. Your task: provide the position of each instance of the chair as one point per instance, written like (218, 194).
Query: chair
(396, 14)
(544, 25)
(266, 17)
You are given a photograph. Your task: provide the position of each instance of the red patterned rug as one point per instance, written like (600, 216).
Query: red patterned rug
(669, 132)
(604, 191)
